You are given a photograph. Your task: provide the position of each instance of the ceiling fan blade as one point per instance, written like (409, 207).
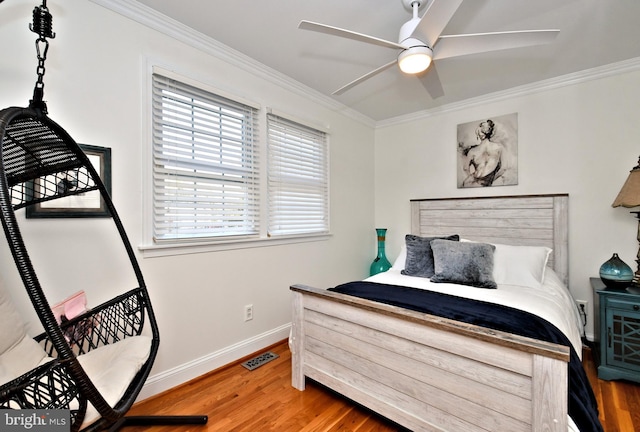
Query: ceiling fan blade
(459, 45)
(434, 20)
(363, 78)
(431, 81)
(335, 31)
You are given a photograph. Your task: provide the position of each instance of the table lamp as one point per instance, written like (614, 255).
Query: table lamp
(629, 196)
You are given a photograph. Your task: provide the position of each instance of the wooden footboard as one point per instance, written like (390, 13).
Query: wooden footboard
(424, 372)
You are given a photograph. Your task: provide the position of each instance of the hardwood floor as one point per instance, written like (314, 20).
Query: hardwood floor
(236, 399)
(618, 401)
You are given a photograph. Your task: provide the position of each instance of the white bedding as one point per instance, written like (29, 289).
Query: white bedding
(551, 301)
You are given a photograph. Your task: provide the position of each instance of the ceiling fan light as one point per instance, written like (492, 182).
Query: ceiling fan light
(415, 59)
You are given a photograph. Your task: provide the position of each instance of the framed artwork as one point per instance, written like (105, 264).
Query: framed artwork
(83, 205)
(488, 152)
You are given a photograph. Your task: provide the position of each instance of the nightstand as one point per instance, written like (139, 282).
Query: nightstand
(617, 332)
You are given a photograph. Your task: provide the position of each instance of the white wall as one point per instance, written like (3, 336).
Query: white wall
(580, 139)
(96, 74)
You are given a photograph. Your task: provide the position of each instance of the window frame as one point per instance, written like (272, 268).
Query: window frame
(206, 160)
(148, 247)
(288, 186)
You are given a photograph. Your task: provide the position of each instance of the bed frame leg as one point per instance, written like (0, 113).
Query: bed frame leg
(296, 342)
(549, 403)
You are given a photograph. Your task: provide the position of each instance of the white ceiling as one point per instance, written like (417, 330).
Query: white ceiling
(592, 33)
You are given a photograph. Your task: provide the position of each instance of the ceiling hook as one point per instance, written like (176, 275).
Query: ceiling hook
(42, 22)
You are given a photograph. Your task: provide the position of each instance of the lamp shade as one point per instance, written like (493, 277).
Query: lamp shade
(629, 195)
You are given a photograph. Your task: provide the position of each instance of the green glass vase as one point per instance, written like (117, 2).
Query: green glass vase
(380, 263)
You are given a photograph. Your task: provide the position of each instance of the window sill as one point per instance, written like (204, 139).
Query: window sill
(169, 249)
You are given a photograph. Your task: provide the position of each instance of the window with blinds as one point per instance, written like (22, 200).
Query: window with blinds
(298, 184)
(205, 164)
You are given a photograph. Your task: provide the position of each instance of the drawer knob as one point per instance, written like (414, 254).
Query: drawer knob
(636, 307)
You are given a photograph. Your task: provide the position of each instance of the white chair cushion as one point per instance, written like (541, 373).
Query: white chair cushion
(20, 359)
(12, 328)
(111, 368)
(19, 353)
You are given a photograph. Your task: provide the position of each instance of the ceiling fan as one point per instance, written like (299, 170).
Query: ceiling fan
(421, 42)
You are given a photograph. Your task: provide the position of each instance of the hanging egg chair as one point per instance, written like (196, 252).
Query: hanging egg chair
(95, 364)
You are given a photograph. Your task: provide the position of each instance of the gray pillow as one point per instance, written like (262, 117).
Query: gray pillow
(419, 260)
(463, 263)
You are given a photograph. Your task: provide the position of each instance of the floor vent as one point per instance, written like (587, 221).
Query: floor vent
(258, 361)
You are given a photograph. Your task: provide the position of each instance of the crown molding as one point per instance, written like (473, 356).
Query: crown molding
(151, 18)
(600, 72)
(154, 20)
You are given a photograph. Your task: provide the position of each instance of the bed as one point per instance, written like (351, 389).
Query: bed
(433, 371)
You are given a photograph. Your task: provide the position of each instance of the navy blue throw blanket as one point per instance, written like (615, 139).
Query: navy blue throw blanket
(583, 407)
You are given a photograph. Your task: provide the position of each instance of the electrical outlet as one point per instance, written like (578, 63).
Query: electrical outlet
(582, 310)
(248, 312)
(582, 305)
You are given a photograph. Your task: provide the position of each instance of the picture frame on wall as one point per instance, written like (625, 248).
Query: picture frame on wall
(84, 205)
(488, 152)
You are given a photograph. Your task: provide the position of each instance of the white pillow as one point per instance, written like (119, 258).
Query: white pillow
(402, 257)
(520, 265)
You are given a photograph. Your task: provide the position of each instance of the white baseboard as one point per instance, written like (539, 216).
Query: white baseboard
(173, 377)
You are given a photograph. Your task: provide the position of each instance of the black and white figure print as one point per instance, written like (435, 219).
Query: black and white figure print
(488, 152)
(68, 182)
(76, 194)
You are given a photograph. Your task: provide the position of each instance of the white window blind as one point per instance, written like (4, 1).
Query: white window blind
(298, 184)
(205, 164)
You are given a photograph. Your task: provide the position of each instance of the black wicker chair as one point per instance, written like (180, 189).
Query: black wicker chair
(36, 154)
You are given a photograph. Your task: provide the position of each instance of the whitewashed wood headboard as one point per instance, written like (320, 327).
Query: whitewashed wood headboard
(532, 220)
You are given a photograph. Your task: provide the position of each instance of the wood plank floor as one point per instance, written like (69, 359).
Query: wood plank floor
(236, 399)
(618, 401)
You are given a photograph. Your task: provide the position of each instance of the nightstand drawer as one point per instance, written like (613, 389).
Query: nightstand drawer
(623, 305)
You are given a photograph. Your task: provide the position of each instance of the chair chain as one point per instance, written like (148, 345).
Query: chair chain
(42, 25)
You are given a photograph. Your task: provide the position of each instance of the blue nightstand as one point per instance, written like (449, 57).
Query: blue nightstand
(617, 332)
